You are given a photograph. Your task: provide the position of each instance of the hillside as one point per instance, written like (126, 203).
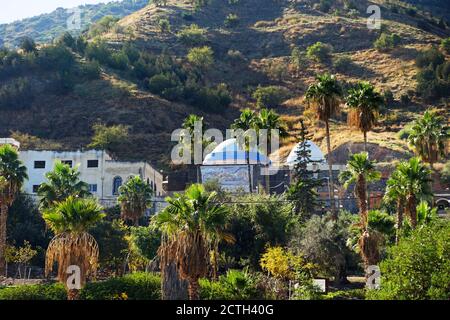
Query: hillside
(44, 28)
(147, 83)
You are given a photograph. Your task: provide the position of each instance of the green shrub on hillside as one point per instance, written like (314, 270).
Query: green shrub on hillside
(34, 292)
(445, 45)
(232, 20)
(108, 138)
(270, 97)
(135, 286)
(418, 268)
(202, 57)
(387, 42)
(319, 51)
(343, 64)
(234, 285)
(429, 57)
(16, 94)
(192, 35)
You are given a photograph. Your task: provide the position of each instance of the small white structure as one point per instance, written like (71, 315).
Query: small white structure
(319, 162)
(103, 174)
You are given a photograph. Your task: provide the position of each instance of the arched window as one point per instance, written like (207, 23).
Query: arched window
(117, 182)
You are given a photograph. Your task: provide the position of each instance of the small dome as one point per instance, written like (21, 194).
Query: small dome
(229, 153)
(316, 154)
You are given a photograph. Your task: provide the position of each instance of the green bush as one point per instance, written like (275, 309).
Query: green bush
(235, 285)
(354, 294)
(429, 57)
(418, 268)
(343, 64)
(319, 52)
(135, 286)
(34, 292)
(201, 57)
(445, 45)
(192, 35)
(270, 97)
(16, 94)
(164, 25)
(387, 42)
(119, 61)
(232, 20)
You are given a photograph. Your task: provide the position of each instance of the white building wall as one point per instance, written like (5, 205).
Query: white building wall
(102, 177)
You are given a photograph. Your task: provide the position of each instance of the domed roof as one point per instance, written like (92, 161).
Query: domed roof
(229, 153)
(316, 154)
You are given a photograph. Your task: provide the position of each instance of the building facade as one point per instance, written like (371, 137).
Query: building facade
(103, 174)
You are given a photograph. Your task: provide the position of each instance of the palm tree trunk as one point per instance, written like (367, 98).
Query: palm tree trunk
(3, 220)
(362, 199)
(73, 294)
(194, 289)
(365, 141)
(173, 287)
(330, 171)
(400, 209)
(412, 210)
(250, 185)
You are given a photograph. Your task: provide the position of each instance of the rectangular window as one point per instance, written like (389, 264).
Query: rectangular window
(39, 164)
(92, 188)
(68, 162)
(92, 164)
(35, 188)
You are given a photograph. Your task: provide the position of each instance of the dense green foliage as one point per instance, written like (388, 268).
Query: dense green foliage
(135, 286)
(234, 285)
(34, 292)
(419, 267)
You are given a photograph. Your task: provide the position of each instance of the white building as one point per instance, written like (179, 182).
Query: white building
(103, 174)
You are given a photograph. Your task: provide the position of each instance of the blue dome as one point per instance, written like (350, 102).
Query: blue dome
(229, 153)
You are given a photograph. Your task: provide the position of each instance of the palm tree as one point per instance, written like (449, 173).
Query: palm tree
(364, 103)
(269, 120)
(61, 183)
(246, 121)
(428, 137)
(361, 171)
(395, 192)
(134, 199)
(189, 124)
(414, 178)
(12, 176)
(325, 95)
(192, 225)
(72, 245)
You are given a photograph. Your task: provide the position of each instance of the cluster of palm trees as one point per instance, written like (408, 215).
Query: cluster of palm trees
(70, 211)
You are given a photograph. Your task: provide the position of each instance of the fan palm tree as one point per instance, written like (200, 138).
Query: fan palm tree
(269, 120)
(12, 175)
(189, 124)
(428, 137)
(192, 225)
(361, 171)
(325, 96)
(414, 179)
(134, 199)
(246, 121)
(72, 245)
(364, 103)
(396, 193)
(61, 183)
